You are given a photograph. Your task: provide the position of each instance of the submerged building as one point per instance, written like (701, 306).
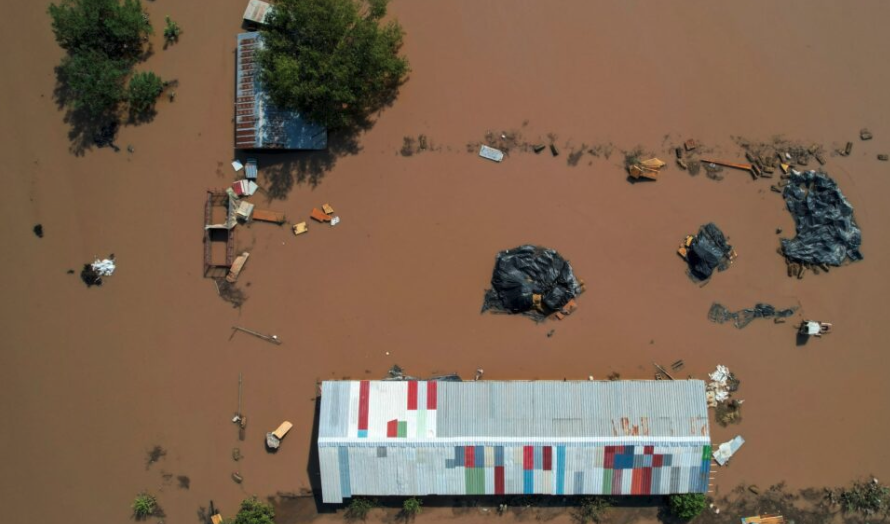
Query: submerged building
(258, 123)
(405, 438)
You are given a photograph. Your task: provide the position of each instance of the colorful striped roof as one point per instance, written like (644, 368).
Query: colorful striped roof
(542, 437)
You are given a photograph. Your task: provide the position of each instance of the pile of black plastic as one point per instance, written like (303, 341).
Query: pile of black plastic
(720, 314)
(531, 280)
(708, 251)
(826, 230)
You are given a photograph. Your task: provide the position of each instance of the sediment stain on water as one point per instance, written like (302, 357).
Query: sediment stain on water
(93, 378)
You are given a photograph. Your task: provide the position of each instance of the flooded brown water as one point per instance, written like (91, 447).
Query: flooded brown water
(94, 378)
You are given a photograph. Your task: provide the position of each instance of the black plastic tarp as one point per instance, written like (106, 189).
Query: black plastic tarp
(709, 251)
(826, 230)
(719, 314)
(528, 270)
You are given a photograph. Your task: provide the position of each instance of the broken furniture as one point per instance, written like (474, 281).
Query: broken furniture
(237, 266)
(319, 215)
(274, 438)
(300, 228)
(245, 210)
(250, 170)
(264, 215)
(244, 187)
(646, 169)
(328, 210)
(216, 519)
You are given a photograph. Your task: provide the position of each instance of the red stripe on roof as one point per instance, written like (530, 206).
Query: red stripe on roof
(469, 456)
(431, 396)
(363, 402)
(548, 458)
(392, 429)
(646, 488)
(528, 457)
(412, 395)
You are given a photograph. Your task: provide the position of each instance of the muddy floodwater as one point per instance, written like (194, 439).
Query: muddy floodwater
(93, 379)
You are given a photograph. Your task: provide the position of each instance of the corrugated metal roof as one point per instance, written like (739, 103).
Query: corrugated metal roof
(452, 438)
(258, 123)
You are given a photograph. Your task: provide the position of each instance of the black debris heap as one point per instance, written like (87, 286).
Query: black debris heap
(708, 251)
(719, 314)
(826, 230)
(531, 280)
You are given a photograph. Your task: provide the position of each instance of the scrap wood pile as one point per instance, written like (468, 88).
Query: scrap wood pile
(706, 251)
(533, 281)
(826, 231)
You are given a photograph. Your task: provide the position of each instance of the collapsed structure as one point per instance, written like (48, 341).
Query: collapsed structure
(415, 438)
(532, 280)
(826, 230)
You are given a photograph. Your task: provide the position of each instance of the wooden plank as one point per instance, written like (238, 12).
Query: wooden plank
(264, 215)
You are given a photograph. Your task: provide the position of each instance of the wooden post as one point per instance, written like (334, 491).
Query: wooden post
(268, 338)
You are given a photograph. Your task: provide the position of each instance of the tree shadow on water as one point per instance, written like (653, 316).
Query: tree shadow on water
(86, 130)
(284, 169)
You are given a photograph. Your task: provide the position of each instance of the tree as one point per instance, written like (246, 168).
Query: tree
(145, 88)
(331, 60)
(171, 32)
(94, 83)
(144, 506)
(687, 506)
(254, 512)
(119, 30)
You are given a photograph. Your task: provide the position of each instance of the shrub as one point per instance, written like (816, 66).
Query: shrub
(870, 498)
(687, 506)
(94, 82)
(116, 29)
(144, 90)
(359, 508)
(590, 509)
(412, 507)
(254, 512)
(144, 506)
(171, 31)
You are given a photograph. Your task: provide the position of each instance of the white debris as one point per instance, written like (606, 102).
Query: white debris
(335, 221)
(726, 450)
(104, 267)
(491, 153)
(237, 165)
(718, 388)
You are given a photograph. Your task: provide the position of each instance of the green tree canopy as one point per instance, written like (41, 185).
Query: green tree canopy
(254, 512)
(332, 60)
(145, 88)
(94, 83)
(117, 29)
(687, 506)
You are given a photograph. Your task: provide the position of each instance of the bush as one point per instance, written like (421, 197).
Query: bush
(331, 59)
(171, 31)
(254, 512)
(144, 506)
(687, 506)
(359, 508)
(870, 498)
(590, 509)
(412, 507)
(144, 90)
